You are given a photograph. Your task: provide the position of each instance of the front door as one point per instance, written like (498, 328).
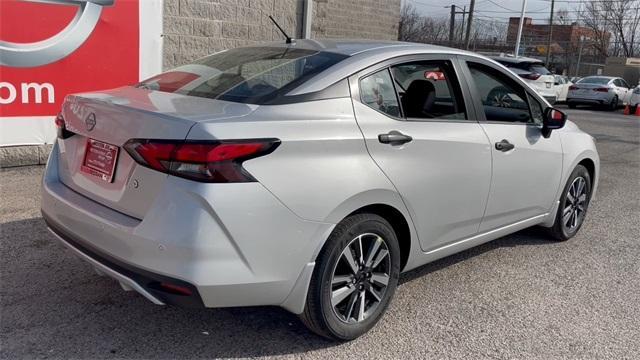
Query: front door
(527, 167)
(423, 134)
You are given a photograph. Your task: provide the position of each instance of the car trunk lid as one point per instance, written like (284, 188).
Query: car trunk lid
(103, 122)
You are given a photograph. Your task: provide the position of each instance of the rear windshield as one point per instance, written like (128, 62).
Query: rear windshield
(594, 80)
(252, 75)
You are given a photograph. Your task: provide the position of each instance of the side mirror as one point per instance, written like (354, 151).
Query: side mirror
(553, 119)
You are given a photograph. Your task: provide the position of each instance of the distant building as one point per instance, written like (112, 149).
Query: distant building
(565, 38)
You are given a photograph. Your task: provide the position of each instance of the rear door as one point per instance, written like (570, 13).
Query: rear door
(526, 166)
(421, 130)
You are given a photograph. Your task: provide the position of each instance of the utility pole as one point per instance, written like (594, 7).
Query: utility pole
(452, 24)
(469, 23)
(464, 14)
(547, 60)
(524, 5)
(582, 38)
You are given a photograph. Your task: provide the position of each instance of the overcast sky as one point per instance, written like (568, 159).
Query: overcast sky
(494, 9)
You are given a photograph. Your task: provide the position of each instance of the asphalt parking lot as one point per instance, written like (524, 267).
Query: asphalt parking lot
(521, 296)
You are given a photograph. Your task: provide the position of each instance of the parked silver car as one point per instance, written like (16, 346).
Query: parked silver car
(309, 175)
(607, 91)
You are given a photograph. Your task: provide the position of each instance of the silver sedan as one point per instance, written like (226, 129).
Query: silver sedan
(309, 175)
(606, 91)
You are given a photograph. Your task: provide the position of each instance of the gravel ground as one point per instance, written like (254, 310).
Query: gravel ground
(520, 296)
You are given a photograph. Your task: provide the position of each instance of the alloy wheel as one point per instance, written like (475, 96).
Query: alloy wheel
(575, 204)
(360, 278)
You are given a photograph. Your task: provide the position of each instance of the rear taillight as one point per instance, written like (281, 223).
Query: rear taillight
(206, 161)
(603, 89)
(61, 128)
(532, 76)
(573, 87)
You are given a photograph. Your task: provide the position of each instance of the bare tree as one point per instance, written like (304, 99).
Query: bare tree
(409, 26)
(563, 17)
(613, 20)
(418, 28)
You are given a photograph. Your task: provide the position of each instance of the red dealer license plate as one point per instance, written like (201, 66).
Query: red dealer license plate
(100, 159)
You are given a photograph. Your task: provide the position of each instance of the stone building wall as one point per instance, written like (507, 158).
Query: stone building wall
(195, 28)
(356, 19)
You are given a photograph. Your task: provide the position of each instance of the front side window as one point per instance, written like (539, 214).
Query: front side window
(377, 92)
(502, 98)
(253, 75)
(429, 90)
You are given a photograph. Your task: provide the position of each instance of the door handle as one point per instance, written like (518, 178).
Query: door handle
(504, 145)
(394, 138)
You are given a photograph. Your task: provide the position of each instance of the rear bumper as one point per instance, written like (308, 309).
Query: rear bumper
(129, 277)
(230, 244)
(587, 101)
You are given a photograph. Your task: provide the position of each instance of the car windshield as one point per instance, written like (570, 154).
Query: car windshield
(252, 75)
(594, 80)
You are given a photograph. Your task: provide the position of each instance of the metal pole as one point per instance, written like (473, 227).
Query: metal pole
(524, 5)
(452, 24)
(550, 35)
(464, 15)
(469, 23)
(579, 56)
(307, 19)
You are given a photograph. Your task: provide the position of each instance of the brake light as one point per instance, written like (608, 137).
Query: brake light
(205, 161)
(531, 76)
(601, 89)
(61, 127)
(573, 87)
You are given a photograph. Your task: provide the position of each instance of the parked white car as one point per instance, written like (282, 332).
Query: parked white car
(562, 85)
(534, 72)
(607, 91)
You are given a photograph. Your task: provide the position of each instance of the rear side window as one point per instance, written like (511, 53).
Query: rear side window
(252, 75)
(502, 98)
(377, 92)
(429, 90)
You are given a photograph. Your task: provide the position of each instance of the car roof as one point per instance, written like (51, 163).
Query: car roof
(352, 47)
(515, 60)
(601, 77)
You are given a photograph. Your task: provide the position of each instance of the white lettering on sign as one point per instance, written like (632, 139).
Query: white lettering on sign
(30, 93)
(12, 93)
(38, 89)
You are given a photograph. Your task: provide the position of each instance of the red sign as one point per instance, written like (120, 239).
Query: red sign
(107, 57)
(100, 159)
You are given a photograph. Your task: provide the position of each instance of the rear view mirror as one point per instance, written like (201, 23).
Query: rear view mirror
(553, 119)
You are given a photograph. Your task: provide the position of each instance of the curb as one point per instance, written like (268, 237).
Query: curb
(24, 155)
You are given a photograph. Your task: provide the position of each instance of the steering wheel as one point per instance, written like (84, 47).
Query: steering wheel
(500, 96)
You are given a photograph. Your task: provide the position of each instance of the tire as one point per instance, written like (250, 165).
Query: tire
(613, 105)
(571, 105)
(564, 228)
(342, 322)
